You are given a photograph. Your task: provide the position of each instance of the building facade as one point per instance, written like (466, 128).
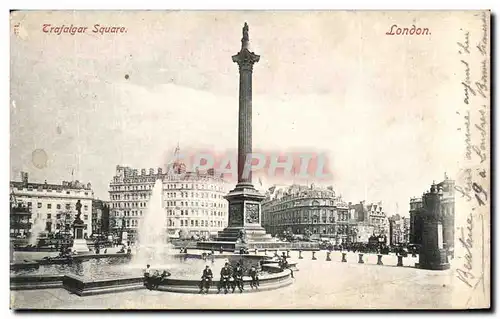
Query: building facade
(398, 230)
(371, 218)
(363, 232)
(52, 207)
(299, 209)
(100, 217)
(446, 209)
(194, 202)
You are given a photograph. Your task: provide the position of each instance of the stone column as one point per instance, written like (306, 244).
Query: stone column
(245, 60)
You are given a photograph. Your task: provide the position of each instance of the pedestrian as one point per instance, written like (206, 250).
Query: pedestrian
(206, 279)
(225, 275)
(254, 283)
(147, 276)
(238, 278)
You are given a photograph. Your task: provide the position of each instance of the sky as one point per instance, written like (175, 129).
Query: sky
(381, 107)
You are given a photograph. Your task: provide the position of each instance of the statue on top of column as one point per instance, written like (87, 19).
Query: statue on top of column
(245, 32)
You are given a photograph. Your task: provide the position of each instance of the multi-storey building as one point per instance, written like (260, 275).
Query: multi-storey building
(363, 232)
(398, 230)
(52, 206)
(300, 209)
(447, 213)
(100, 217)
(194, 202)
(416, 206)
(20, 219)
(371, 215)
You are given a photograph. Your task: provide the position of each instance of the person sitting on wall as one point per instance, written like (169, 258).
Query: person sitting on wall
(152, 280)
(221, 250)
(157, 279)
(206, 279)
(254, 283)
(225, 276)
(147, 276)
(238, 278)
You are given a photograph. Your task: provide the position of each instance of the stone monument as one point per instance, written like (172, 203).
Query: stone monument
(244, 228)
(79, 242)
(432, 253)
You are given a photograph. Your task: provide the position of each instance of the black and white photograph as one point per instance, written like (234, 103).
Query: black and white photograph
(251, 160)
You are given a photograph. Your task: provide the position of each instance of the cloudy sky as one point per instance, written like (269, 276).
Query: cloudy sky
(381, 107)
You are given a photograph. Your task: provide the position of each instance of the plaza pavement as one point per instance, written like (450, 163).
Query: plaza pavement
(319, 284)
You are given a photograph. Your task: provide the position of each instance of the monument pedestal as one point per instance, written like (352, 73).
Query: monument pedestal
(244, 215)
(244, 229)
(79, 243)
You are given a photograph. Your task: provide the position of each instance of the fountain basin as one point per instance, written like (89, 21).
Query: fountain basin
(266, 282)
(85, 287)
(29, 282)
(90, 277)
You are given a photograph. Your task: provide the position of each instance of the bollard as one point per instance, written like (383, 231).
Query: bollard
(255, 251)
(300, 254)
(328, 256)
(313, 255)
(360, 261)
(400, 260)
(344, 260)
(379, 260)
(288, 253)
(265, 252)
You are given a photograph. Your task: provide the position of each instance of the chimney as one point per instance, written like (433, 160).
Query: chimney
(151, 171)
(143, 171)
(159, 171)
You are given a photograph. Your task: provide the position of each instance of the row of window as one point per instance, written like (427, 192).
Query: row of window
(340, 230)
(296, 215)
(274, 206)
(129, 204)
(58, 206)
(194, 223)
(168, 186)
(41, 189)
(202, 204)
(195, 195)
(131, 187)
(66, 216)
(194, 186)
(195, 212)
(131, 223)
(131, 196)
(129, 213)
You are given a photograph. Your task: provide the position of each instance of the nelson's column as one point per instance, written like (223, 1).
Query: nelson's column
(244, 229)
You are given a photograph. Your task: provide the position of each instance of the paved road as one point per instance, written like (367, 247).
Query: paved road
(318, 284)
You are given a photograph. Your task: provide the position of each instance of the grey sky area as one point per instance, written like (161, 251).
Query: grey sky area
(333, 82)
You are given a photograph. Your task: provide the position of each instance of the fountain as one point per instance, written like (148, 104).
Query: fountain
(153, 246)
(38, 227)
